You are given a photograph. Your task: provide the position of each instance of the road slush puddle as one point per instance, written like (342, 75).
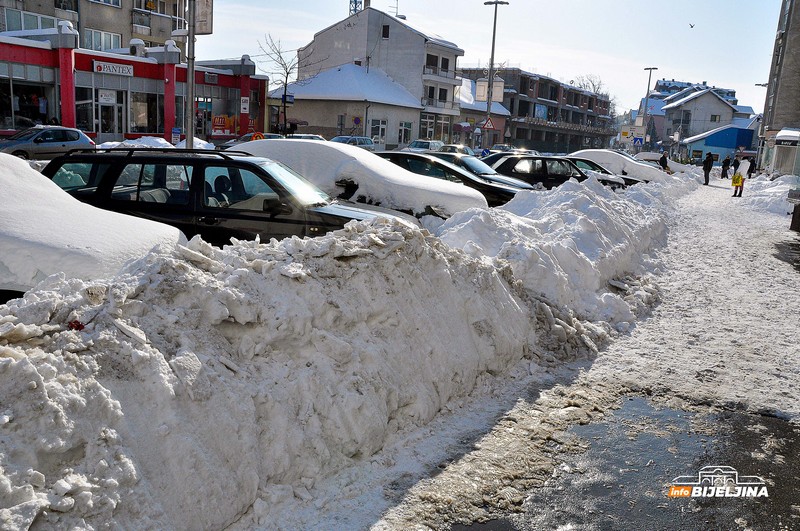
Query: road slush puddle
(724, 470)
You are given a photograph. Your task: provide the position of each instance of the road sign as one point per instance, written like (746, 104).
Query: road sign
(488, 124)
(638, 141)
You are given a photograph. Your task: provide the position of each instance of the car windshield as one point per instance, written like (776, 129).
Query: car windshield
(476, 165)
(342, 139)
(420, 144)
(302, 190)
(25, 134)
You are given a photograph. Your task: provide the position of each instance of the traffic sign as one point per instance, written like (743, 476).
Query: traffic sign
(638, 141)
(488, 124)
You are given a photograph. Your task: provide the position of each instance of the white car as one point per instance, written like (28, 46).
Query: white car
(422, 146)
(673, 166)
(44, 230)
(622, 164)
(350, 172)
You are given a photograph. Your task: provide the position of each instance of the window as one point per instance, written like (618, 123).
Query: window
(378, 131)
(715, 117)
(153, 183)
(529, 166)
(404, 134)
(442, 94)
(445, 64)
(22, 20)
(114, 3)
(385, 31)
(101, 40)
(146, 113)
(426, 125)
(236, 188)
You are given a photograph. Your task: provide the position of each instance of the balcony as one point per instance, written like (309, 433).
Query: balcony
(439, 104)
(564, 126)
(66, 5)
(434, 73)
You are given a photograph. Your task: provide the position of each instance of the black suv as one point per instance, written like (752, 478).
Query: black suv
(548, 172)
(218, 195)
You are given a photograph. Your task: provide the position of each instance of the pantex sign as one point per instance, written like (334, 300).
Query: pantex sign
(112, 68)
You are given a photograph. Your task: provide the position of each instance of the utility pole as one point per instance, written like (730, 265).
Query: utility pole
(495, 3)
(189, 103)
(647, 103)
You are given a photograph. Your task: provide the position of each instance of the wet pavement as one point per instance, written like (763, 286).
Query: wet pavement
(622, 478)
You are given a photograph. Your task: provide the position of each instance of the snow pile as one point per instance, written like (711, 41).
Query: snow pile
(225, 375)
(44, 230)
(765, 195)
(196, 144)
(622, 164)
(569, 244)
(379, 181)
(141, 142)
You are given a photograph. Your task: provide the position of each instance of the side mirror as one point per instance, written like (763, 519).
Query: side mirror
(274, 205)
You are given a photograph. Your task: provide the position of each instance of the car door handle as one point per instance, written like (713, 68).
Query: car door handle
(209, 220)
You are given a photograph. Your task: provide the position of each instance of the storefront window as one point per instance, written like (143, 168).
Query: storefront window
(147, 113)
(83, 109)
(443, 128)
(426, 123)
(404, 135)
(378, 131)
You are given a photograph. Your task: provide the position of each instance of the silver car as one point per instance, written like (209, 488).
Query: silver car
(45, 142)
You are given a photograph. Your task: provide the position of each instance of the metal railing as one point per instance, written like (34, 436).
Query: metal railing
(436, 71)
(439, 104)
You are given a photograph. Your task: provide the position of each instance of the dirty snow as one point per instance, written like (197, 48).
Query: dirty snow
(314, 383)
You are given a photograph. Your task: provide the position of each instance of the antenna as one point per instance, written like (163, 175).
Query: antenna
(355, 7)
(396, 7)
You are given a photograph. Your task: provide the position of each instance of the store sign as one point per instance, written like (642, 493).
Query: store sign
(106, 96)
(245, 105)
(113, 68)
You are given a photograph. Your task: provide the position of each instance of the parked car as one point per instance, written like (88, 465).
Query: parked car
(457, 148)
(45, 142)
(502, 147)
(352, 173)
(496, 192)
(210, 193)
(305, 136)
(44, 231)
(481, 169)
(363, 142)
(588, 165)
(492, 158)
(247, 138)
(622, 164)
(421, 146)
(548, 172)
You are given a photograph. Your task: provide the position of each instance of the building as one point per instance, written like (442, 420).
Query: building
(551, 116)
(46, 78)
(102, 24)
(425, 65)
(471, 127)
(342, 100)
(780, 133)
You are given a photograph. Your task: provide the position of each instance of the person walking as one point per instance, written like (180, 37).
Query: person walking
(752, 169)
(726, 164)
(708, 163)
(738, 178)
(736, 163)
(663, 161)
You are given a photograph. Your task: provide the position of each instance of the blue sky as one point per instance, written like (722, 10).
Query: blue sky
(730, 45)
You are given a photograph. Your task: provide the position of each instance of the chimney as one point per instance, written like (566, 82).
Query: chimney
(366, 4)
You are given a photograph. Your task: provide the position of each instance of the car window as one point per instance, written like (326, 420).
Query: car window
(559, 167)
(72, 136)
(47, 136)
(73, 175)
(529, 166)
(236, 188)
(153, 183)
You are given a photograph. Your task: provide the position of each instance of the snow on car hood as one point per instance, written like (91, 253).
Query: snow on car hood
(379, 180)
(44, 230)
(617, 163)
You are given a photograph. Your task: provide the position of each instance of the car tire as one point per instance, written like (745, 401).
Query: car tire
(21, 154)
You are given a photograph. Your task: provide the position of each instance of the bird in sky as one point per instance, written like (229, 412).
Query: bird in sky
(691, 25)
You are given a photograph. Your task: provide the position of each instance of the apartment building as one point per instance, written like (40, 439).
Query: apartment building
(551, 116)
(425, 65)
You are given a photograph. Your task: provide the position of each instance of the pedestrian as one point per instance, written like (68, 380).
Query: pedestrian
(738, 178)
(752, 169)
(726, 164)
(736, 163)
(663, 161)
(708, 163)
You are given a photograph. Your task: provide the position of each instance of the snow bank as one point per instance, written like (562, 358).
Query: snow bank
(207, 378)
(379, 181)
(196, 144)
(765, 195)
(568, 244)
(617, 163)
(44, 231)
(141, 142)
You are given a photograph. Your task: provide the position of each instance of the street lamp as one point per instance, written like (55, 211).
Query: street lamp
(495, 3)
(647, 100)
(189, 102)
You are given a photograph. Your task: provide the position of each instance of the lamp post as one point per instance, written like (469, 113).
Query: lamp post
(761, 130)
(495, 3)
(647, 101)
(189, 103)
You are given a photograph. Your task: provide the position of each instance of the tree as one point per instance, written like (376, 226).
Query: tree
(592, 83)
(285, 63)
